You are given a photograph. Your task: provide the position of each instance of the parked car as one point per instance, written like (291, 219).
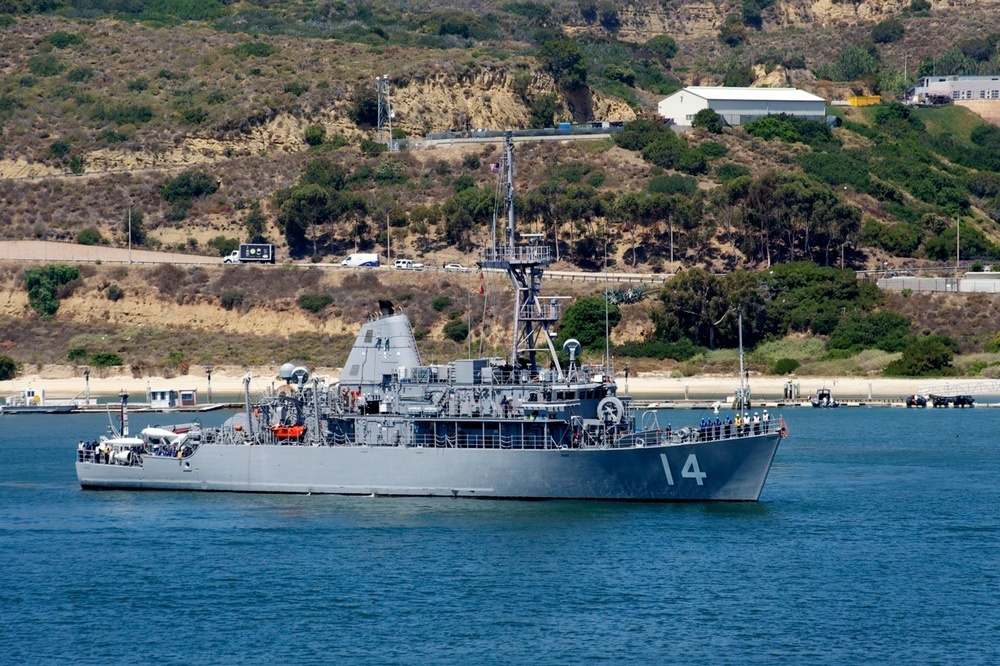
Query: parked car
(456, 267)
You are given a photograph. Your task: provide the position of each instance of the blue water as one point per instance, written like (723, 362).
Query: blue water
(877, 540)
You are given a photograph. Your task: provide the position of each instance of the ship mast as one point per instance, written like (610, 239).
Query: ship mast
(524, 264)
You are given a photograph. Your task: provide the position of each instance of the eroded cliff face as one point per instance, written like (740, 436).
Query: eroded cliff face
(702, 19)
(492, 97)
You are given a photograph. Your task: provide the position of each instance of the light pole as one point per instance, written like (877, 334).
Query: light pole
(130, 234)
(842, 246)
(208, 371)
(86, 379)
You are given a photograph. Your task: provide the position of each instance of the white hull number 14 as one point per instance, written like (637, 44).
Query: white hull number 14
(691, 470)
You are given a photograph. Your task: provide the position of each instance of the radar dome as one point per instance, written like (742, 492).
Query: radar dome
(286, 370)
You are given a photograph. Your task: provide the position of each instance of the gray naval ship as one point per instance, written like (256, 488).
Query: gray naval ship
(478, 427)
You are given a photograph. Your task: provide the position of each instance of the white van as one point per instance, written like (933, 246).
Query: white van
(360, 259)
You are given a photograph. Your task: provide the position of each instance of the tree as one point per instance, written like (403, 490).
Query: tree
(661, 47)
(709, 120)
(364, 106)
(585, 321)
(732, 32)
(543, 111)
(302, 208)
(255, 224)
(929, 355)
(890, 30)
(857, 62)
(325, 173)
(132, 223)
(564, 60)
(884, 330)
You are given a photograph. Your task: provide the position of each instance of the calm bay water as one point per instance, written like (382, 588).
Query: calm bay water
(877, 539)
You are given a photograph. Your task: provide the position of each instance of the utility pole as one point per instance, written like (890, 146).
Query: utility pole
(130, 234)
(958, 244)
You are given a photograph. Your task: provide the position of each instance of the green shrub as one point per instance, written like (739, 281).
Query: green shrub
(711, 149)
(137, 84)
(681, 350)
(927, 356)
(59, 149)
(728, 172)
(456, 330)
(784, 366)
(472, 161)
(371, 148)
(890, 30)
(123, 114)
(440, 303)
(44, 65)
(673, 184)
(80, 74)
(8, 367)
(231, 299)
(296, 88)
(194, 115)
(661, 47)
(709, 120)
(314, 302)
(90, 236)
(106, 360)
(76, 354)
(254, 50)
(463, 182)
(43, 284)
(224, 245)
(314, 135)
(115, 293)
(188, 185)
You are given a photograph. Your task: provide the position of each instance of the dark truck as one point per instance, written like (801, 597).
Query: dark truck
(251, 253)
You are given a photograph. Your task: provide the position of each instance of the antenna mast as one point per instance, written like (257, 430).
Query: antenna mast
(385, 112)
(524, 264)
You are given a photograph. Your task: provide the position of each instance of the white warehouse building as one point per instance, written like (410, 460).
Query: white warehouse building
(740, 105)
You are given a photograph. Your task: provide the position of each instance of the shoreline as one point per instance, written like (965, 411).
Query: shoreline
(68, 382)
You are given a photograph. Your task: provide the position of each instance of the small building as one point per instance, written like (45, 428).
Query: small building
(941, 89)
(172, 398)
(740, 105)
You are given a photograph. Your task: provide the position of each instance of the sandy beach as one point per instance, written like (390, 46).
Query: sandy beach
(63, 382)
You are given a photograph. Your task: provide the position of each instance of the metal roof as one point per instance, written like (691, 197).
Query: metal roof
(752, 94)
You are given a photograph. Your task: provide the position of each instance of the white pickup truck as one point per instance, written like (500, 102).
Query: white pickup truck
(408, 265)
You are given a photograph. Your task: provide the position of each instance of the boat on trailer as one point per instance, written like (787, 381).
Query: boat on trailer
(493, 427)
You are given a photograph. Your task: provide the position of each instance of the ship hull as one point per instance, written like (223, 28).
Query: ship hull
(725, 470)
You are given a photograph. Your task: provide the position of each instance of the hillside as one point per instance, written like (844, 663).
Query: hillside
(220, 122)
